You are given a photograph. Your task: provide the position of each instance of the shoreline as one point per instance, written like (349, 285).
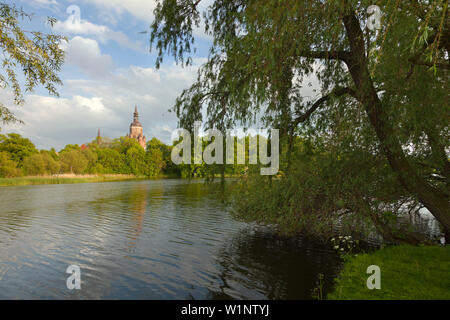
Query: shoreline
(85, 178)
(66, 179)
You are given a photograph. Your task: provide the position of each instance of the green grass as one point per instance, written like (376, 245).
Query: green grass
(407, 272)
(64, 179)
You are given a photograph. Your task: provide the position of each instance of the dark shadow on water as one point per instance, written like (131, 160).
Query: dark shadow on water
(258, 264)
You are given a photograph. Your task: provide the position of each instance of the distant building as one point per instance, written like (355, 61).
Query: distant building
(136, 130)
(104, 142)
(99, 137)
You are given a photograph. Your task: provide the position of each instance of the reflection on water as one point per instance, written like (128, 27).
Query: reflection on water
(164, 239)
(260, 265)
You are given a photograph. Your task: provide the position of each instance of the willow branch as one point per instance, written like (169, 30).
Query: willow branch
(336, 93)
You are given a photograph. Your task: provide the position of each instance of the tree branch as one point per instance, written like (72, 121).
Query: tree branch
(336, 93)
(431, 64)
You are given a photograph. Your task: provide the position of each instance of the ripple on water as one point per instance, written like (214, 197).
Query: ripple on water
(163, 239)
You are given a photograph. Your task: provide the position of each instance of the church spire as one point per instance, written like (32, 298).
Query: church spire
(136, 114)
(136, 118)
(136, 130)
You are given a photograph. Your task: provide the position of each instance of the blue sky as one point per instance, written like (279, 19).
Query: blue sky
(108, 70)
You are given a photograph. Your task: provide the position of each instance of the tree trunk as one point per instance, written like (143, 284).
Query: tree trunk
(434, 200)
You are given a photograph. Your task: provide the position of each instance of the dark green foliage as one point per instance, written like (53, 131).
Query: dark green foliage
(38, 55)
(8, 168)
(322, 193)
(73, 161)
(111, 161)
(378, 118)
(158, 157)
(41, 164)
(17, 147)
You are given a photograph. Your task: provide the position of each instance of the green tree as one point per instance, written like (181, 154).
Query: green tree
(158, 157)
(73, 161)
(40, 164)
(52, 166)
(8, 168)
(155, 161)
(52, 153)
(382, 91)
(34, 165)
(38, 55)
(122, 144)
(70, 147)
(92, 158)
(111, 161)
(135, 157)
(17, 147)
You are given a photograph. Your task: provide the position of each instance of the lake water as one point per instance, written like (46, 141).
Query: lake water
(159, 239)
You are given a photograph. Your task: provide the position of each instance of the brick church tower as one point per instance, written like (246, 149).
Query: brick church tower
(136, 130)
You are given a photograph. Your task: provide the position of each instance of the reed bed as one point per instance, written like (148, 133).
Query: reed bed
(65, 179)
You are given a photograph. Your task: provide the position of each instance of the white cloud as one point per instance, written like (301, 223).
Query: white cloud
(108, 104)
(46, 2)
(102, 33)
(54, 122)
(86, 54)
(43, 3)
(106, 99)
(142, 9)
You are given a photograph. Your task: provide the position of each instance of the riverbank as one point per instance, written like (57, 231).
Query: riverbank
(407, 272)
(65, 179)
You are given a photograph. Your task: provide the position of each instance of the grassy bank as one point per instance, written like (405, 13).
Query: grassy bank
(407, 272)
(64, 179)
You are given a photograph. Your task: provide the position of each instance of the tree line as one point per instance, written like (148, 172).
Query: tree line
(19, 157)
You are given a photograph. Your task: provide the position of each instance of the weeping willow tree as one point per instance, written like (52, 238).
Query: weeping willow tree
(383, 90)
(34, 56)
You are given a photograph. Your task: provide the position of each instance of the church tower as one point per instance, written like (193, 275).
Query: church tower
(99, 137)
(136, 130)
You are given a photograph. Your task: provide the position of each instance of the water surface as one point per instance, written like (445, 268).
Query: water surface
(160, 239)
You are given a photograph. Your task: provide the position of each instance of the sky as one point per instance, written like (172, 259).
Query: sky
(108, 70)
